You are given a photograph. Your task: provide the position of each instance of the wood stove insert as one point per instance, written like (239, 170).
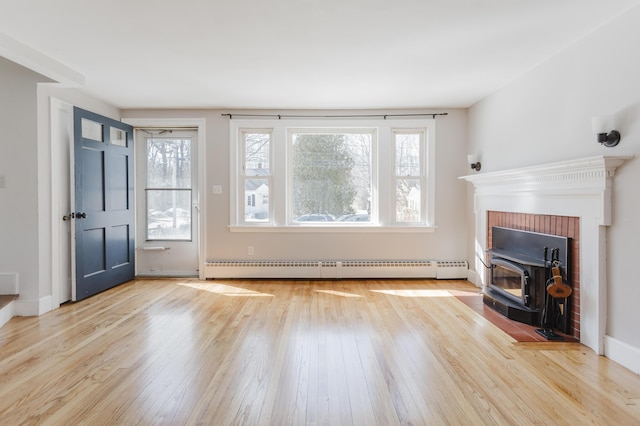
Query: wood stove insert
(520, 270)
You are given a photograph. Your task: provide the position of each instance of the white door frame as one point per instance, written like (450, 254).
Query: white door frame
(61, 263)
(199, 124)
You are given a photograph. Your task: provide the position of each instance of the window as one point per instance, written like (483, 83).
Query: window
(168, 191)
(409, 177)
(331, 177)
(256, 174)
(338, 174)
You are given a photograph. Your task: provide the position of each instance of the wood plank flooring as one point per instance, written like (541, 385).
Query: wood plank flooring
(375, 352)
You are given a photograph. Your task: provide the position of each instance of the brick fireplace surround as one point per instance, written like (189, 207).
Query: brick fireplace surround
(563, 226)
(573, 194)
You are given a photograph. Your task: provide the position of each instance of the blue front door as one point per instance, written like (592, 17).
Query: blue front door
(104, 214)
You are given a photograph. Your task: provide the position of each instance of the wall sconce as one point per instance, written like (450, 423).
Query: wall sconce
(603, 124)
(472, 159)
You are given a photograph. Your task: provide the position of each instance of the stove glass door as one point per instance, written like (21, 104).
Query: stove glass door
(509, 278)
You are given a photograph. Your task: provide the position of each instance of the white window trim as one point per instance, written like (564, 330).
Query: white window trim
(383, 185)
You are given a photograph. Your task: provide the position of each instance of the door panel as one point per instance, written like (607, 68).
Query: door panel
(119, 250)
(119, 182)
(92, 181)
(94, 242)
(104, 216)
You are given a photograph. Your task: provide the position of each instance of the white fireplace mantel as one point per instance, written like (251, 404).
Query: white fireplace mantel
(580, 188)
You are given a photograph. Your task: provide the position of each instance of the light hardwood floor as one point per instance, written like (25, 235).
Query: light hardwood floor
(376, 352)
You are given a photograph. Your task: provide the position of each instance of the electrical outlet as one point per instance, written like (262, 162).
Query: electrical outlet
(250, 251)
(217, 189)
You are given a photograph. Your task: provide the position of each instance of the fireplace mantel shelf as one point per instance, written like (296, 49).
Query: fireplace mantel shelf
(584, 173)
(585, 177)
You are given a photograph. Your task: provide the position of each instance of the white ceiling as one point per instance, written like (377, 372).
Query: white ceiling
(300, 53)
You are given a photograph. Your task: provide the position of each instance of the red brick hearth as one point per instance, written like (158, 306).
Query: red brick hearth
(564, 226)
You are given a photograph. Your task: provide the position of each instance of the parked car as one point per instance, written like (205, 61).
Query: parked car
(363, 217)
(314, 217)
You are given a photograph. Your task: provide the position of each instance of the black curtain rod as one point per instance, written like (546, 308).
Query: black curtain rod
(281, 116)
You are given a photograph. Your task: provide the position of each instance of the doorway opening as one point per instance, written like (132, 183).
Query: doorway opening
(167, 202)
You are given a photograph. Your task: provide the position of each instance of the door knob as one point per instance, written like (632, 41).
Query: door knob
(68, 216)
(81, 215)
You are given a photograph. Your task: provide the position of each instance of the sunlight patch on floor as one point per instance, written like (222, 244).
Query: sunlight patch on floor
(226, 290)
(415, 293)
(338, 293)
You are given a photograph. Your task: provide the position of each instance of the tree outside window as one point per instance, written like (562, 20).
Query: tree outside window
(331, 175)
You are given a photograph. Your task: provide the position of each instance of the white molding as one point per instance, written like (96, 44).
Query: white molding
(33, 308)
(7, 312)
(622, 353)
(61, 176)
(27, 57)
(580, 188)
(474, 277)
(584, 170)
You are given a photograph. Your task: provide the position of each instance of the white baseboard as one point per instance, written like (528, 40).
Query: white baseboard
(622, 353)
(7, 312)
(33, 308)
(474, 278)
(9, 283)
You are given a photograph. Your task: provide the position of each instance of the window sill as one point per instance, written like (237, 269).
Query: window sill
(334, 229)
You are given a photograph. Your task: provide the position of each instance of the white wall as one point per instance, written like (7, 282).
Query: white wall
(19, 235)
(544, 116)
(446, 243)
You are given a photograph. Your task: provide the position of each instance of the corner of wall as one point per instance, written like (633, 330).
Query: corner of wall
(474, 278)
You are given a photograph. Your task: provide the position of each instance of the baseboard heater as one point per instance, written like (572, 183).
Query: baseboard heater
(337, 269)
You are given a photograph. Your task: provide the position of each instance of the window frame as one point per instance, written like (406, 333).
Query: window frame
(383, 213)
